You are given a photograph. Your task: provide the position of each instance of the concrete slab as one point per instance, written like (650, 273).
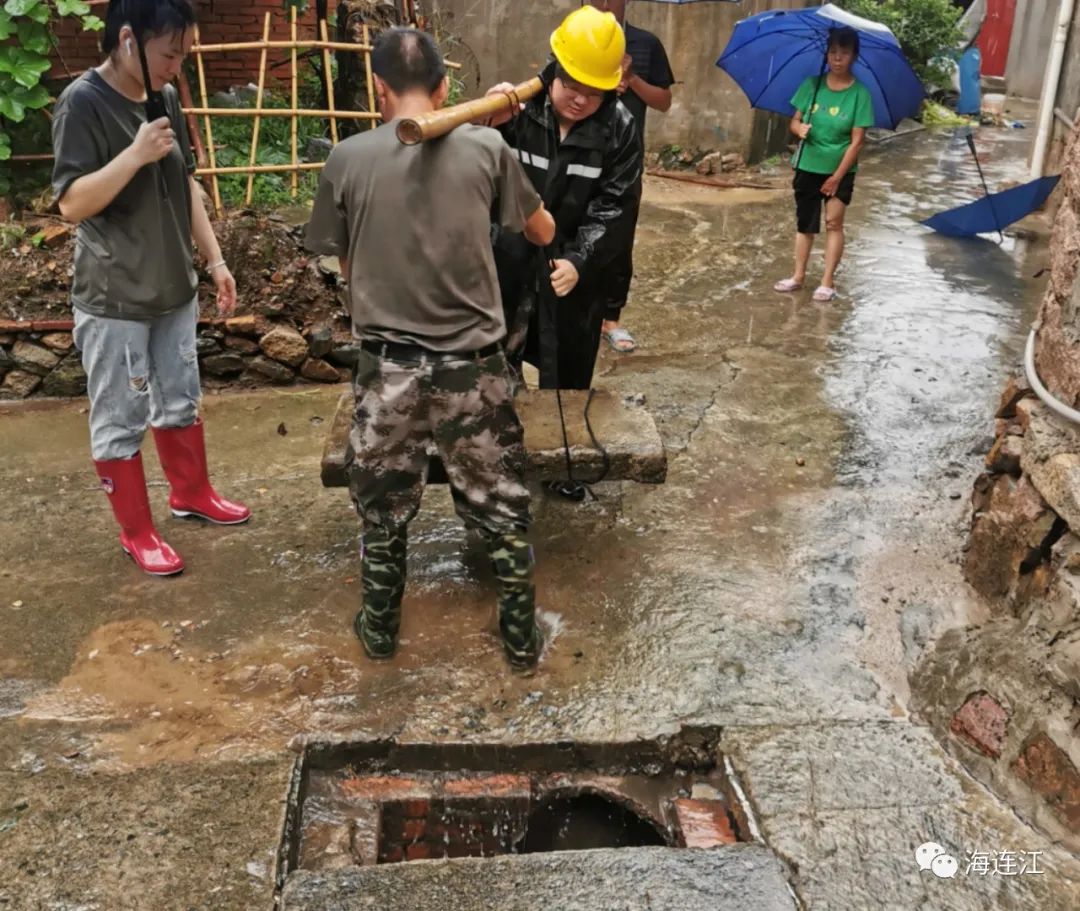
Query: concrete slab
(632, 448)
(735, 878)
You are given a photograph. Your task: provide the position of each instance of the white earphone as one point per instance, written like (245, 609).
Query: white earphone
(129, 48)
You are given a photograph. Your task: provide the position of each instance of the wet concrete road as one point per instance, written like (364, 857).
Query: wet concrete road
(802, 556)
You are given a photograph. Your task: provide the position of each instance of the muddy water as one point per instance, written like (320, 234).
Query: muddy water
(801, 555)
(803, 438)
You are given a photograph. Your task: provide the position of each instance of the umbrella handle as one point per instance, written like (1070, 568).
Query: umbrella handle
(982, 177)
(810, 110)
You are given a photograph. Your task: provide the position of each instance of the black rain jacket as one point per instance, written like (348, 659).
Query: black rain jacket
(591, 184)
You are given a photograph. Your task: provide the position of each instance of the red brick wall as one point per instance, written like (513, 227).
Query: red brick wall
(219, 22)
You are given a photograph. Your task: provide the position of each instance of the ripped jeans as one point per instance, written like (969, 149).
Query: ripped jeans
(138, 373)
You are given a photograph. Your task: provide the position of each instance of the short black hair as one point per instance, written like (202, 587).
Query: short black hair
(407, 59)
(147, 18)
(847, 39)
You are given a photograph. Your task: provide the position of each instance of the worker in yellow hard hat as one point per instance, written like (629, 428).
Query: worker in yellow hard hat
(580, 148)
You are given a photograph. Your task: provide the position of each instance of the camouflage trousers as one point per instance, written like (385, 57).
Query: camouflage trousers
(463, 412)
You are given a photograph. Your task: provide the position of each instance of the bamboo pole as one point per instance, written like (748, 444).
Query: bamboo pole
(281, 112)
(209, 129)
(329, 82)
(370, 75)
(295, 101)
(279, 45)
(191, 120)
(258, 120)
(262, 168)
(439, 123)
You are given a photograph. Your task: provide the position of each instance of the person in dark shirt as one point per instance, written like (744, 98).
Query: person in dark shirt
(647, 82)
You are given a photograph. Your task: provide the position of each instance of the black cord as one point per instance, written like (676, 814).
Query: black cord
(544, 271)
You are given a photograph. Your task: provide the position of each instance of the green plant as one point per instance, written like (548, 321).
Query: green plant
(924, 29)
(232, 142)
(26, 26)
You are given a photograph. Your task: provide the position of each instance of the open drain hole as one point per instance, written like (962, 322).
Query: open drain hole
(586, 821)
(381, 802)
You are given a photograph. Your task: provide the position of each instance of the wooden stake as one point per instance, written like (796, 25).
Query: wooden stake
(295, 102)
(209, 128)
(258, 120)
(329, 82)
(370, 76)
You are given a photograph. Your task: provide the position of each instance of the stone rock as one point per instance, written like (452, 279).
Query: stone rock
(1063, 667)
(243, 345)
(1013, 522)
(242, 325)
(206, 345)
(319, 371)
(55, 235)
(67, 381)
(7, 338)
(710, 164)
(61, 342)
(1051, 461)
(1016, 388)
(33, 358)
(320, 340)
(733, 161)
(329, 265)
(345, 354)
(267, 370)
(6, 361)
(982, 723)
(1047, 770)
(18, 384)
(285, 345)
(318, 149)
(226, 364)
(1004, 458)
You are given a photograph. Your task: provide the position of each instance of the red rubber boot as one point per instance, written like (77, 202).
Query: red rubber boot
(123, 480)
(182, 451)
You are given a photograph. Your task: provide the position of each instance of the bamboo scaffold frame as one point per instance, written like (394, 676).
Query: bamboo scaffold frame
(320, 44)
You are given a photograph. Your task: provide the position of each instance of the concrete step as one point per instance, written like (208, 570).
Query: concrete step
(745, 877)
(626, 432)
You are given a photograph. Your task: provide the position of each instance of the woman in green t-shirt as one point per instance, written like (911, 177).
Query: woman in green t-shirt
(832, 114)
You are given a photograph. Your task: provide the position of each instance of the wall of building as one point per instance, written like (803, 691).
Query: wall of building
(1032, 32)
(510, 38)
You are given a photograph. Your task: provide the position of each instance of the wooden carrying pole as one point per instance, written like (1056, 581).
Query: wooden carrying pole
(258, 120)
(439, 123)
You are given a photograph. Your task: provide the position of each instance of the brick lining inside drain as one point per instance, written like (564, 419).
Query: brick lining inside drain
(383, 802)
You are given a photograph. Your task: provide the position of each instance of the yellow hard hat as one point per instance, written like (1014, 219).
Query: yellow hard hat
(590, 46)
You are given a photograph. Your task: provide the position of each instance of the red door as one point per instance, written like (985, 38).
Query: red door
(995, 36)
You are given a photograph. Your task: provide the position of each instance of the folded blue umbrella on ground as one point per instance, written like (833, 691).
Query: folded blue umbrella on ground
(995, 211)
(771, 54)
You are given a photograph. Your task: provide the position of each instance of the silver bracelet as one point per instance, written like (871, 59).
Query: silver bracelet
(216, 265)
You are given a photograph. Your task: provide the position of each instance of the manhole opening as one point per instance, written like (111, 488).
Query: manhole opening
(385, 802)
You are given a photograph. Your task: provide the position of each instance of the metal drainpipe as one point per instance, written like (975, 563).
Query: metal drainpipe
(1051, 81)
(1058, 407)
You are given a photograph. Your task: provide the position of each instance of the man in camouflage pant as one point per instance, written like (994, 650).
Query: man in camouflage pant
(412, 228)
(464, 410)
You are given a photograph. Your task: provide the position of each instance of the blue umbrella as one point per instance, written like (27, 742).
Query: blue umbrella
(771, 54)
(995, 211)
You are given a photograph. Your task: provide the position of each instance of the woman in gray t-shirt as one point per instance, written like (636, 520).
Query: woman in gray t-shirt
(123, 173)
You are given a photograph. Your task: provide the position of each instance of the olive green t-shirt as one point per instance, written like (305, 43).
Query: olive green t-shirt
(414, 223)
(133, 260)
(834, 116)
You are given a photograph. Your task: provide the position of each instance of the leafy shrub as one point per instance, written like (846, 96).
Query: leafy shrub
(924, 29)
